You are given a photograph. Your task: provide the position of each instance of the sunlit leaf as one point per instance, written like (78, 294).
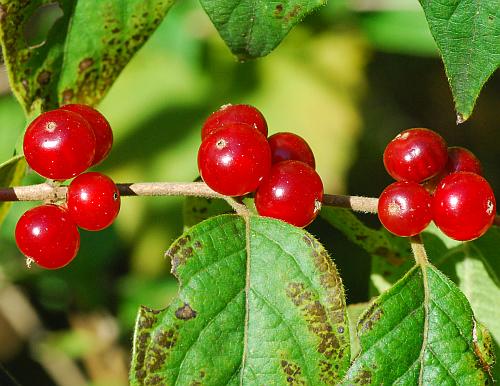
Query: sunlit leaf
(83, 53)
(421, 331)
(260, 303)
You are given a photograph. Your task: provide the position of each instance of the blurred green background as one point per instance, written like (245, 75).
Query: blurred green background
(348, 79)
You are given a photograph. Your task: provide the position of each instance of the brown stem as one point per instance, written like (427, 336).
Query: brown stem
(356, 203)
(51, 192)
(48, 191)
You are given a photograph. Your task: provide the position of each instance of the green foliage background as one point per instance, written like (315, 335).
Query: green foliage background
(347, 79)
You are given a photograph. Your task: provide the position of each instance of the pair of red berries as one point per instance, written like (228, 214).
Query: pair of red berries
(236, 158)
(61, 144)
(460, 202)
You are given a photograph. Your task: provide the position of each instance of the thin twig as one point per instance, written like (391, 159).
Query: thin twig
(51, 192)
(356, 203)
(47, 191)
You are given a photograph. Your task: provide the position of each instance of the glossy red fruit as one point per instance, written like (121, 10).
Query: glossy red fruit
(292, 192)
(234, 160)
(47, 235)
(93, 201)
(289, 146)
(100, 125)
(461, 159)
(464, 206)
(405, 208)
(415, 155)
(234, 114)
(59, 144)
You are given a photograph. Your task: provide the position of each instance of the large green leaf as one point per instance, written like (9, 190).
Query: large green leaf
(260, 303)
(252, 29)
(467, 34)
(472, 266)
(84, 51)
(422, 331)
(11, 174)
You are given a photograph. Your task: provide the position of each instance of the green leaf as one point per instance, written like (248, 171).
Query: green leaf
(84, 51)
(391, 255)
(197, 209)
(252, 29)
(354, 311)
(259, 303)
(11, 174)
(474, 267)
(421, 331)
(466, 32)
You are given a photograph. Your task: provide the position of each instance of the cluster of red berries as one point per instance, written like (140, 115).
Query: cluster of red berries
(61, 144)
(236, 158)
(435, 182)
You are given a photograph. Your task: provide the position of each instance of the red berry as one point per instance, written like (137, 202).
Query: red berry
(415, 155)
(101, 127)
(289, 146)
(93, 201)
(47, 235)
(292, 192)
(234, 114)
(461, 159)
(59, 144)
(464, 206)
(234, 160)
(405, 208)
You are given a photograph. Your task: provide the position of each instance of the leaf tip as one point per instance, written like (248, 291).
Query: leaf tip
(461, 118)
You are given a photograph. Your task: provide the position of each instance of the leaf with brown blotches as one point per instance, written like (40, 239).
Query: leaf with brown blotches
(83, 53)
(260, 302)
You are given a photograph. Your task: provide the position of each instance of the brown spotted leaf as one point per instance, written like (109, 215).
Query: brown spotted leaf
(421, 332)
(259, 304)
(83, 53)
(471, 266)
